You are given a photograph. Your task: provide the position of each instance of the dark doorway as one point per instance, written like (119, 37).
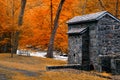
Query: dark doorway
(85, 48)
(91, 67)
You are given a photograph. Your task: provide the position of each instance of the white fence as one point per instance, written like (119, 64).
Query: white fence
(23, 52)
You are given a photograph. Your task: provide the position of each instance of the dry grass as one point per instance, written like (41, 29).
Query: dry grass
(38, 65)
(69, 76)
(28, 63)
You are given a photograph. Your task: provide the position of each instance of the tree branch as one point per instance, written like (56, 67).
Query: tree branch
(102, 5)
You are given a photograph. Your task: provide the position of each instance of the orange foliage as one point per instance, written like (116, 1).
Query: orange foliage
(38, 20)
(36, 29)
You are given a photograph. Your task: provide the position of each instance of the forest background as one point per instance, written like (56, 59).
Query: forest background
(36, 28)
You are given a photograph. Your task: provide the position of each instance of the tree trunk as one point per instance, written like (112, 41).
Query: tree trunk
(51, 15)
(17, 33)
(20, 19)
(51, 42)
(12, 35)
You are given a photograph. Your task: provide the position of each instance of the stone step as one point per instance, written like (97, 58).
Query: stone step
(73, 66)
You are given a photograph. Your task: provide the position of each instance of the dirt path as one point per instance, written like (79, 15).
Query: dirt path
(3, 77)
(25, 72)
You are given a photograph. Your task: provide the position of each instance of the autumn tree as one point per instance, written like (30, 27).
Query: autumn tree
(51, 43)
(5, 31)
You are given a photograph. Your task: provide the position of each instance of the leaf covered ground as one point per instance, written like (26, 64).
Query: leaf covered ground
(34, 68)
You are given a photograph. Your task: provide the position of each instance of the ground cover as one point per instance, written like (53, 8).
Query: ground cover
(34, 68)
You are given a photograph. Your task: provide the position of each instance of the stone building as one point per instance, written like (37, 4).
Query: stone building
(91, 38)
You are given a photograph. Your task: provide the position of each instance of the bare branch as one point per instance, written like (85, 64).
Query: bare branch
(102, 5)
(84, 7)
(116, 10)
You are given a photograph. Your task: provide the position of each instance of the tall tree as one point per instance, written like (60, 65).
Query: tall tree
(52, 38)
(12, 33)
(17, 33)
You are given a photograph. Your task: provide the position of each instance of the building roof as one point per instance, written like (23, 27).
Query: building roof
(77, 31)
(90, 17)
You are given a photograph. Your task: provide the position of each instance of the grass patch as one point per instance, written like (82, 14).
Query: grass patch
(38, 65)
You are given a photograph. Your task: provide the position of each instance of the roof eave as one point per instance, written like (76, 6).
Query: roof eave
(81, 21)
(98, 18)
(79, 32)
(107, 13)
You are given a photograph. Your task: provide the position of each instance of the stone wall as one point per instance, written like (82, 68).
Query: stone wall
(75, 45)
(75, 52)
(78, 46)
(108, 36)
(108, 39)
